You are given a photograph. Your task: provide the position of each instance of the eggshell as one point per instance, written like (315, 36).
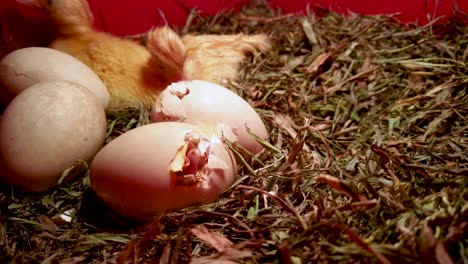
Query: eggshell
(46, 129)
(202, 102)
(24, 67)
(136, 174)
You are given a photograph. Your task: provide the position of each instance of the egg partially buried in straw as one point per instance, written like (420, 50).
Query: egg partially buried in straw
(210, 104)
(46, 129)
(161, 167)
(27, 66)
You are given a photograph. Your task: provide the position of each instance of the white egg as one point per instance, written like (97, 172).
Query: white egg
(46, 129)
(161, 167)
(27, 66)
(209, 104)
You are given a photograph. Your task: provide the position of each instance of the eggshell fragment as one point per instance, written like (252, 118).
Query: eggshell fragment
(161, 167)
(202, 102)
(27, 66)
(46, 129)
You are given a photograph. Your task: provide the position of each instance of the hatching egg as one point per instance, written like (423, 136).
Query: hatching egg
(161, 167)
(24, 67)
(46, 129)
(203, 102)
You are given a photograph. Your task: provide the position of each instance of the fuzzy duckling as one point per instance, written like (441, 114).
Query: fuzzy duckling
(134, 73)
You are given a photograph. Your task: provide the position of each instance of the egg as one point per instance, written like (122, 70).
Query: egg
(202, 102)
(161, 167)
(45, 130)
(24, 67)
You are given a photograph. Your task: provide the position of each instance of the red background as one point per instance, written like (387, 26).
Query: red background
(25, 26)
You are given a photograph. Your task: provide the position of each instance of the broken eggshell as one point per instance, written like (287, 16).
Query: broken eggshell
(161, 167)
(209, 104)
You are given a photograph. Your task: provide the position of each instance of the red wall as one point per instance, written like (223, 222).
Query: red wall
(127, 17)
(131, 17)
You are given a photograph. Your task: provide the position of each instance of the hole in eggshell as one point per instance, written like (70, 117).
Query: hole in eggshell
(189, 162)
(193, 158)
(180, 91)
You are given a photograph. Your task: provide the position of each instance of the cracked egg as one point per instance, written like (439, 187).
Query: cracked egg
(209, 104)
(162, 167)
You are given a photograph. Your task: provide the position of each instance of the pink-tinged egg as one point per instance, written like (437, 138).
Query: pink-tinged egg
(161, 167)
(27, 66)
(45, 130)
(202, 102)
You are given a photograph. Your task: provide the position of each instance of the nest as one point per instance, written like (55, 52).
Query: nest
(367, 160)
